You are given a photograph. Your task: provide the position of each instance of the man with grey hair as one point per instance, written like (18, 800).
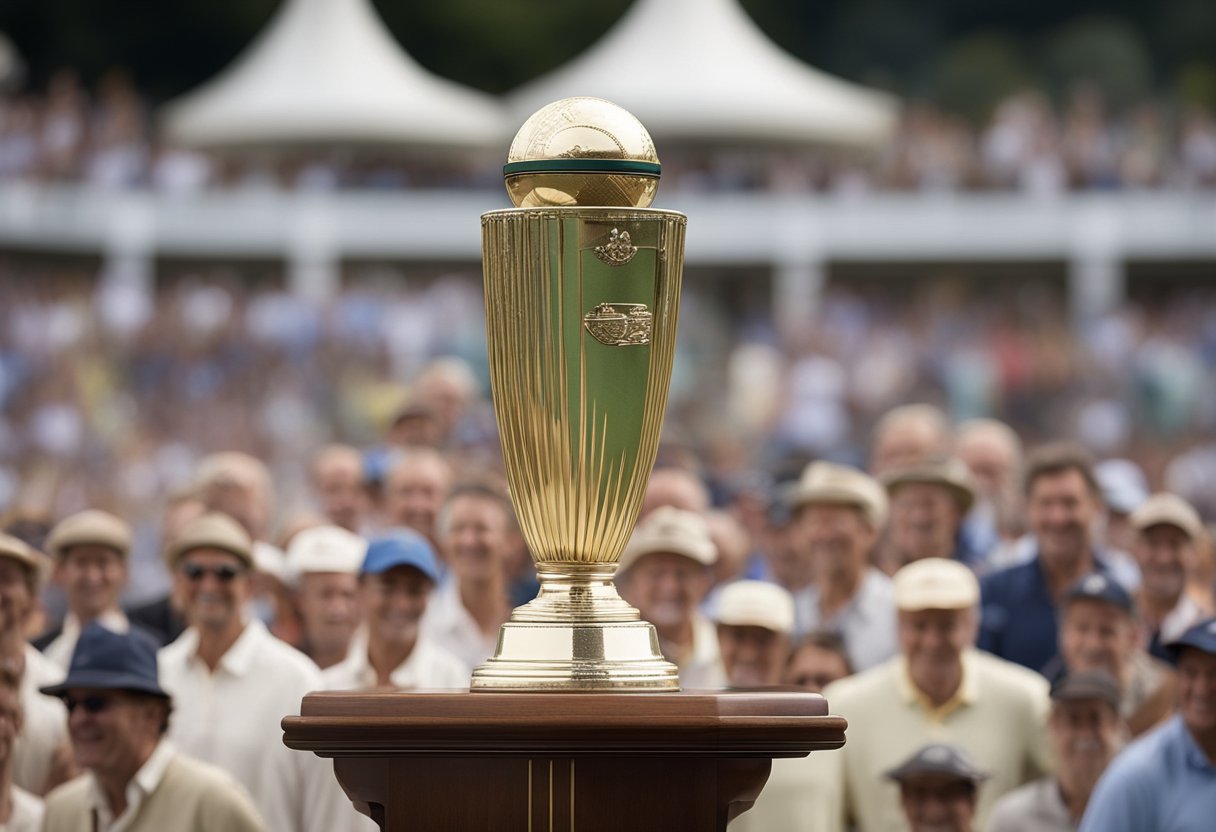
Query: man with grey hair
(337, 480)
(476, 529)
(908, 434)
(415, 487)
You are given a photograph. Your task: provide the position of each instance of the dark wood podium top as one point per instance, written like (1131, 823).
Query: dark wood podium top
(745, 723)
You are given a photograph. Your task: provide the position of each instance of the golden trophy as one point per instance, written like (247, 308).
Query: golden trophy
(582, 289)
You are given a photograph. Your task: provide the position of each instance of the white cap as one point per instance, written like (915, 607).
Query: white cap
(668, 529)
(827, 483)
(325, 549)
(935, 584)
(1169, 509)
(756, 604)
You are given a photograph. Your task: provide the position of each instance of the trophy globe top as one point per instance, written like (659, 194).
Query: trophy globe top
(580, 152)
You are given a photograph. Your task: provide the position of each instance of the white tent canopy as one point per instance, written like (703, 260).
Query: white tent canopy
(702, 71)
(328, 72)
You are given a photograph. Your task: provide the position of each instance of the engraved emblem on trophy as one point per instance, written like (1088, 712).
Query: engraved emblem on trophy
(582, 287)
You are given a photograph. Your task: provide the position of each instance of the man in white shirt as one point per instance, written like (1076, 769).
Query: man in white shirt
(233, 682)
(337, 480)
(323, 566)
(414, 490)
(136, 781)
(839, 513)
(475, 529)
(90, 551)
(665, 573)
(42, 755)
(395, 584)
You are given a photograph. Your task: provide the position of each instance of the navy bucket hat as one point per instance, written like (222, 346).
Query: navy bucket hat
(113, 661)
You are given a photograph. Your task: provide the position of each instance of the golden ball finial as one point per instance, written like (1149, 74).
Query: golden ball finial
(585, 152)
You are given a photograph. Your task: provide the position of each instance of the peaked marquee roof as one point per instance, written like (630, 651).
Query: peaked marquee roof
(701, 71)
(327, 72)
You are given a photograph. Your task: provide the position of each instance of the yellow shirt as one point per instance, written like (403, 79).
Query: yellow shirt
(998, 716)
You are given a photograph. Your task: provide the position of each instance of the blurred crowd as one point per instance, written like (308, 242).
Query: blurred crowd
(290, 495)
(106, 138)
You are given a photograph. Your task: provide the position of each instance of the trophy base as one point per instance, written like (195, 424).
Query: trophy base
(575, 657)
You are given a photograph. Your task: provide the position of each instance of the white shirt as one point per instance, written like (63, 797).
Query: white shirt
(59, 652)
(27, 812)
(230, 718)
(702, 669)
(451, 626)
(45, 729)
(142, 784)
(867, 624)
(427, 666)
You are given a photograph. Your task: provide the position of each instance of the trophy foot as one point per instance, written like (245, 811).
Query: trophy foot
(551, 656)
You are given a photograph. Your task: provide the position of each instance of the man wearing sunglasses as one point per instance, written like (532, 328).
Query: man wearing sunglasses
(232, 681)
(135, 780)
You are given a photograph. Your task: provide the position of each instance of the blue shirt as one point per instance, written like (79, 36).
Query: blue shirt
(1018, 615)
(1163, 782)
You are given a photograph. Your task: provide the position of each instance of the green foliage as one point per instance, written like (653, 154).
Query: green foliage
(1104, 51)
(977, 71)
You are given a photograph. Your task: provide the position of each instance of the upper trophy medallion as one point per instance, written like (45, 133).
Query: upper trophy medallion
(582, 152)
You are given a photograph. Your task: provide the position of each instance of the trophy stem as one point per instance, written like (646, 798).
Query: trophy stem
(577, 634)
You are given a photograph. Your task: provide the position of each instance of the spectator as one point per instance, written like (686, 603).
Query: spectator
(1098, 632)
(1168, 533)
(414, 490)
(22, 811)
(937, 789)
(928, 503)
(337, 480)
(1123, 489)
(323, 563)
(42, 755)
(232, 681)
(90, 551)
(135, 780)
(938, 688)
(754, 624)
(665, 573)
(675, 487)
(1167, 778)
(476, 529)
(163, 617)
(395, 584)
(907, 435)
(1086, 732)
(817, 660)
(992, 453)
(1020, 602)
(838, 514)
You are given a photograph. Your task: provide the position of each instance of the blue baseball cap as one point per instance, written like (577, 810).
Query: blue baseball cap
(113, 661)
(1098, 587)
(1201, 636)
(400, 547)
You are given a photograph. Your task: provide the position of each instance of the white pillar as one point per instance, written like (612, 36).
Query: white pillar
(1096, 283)
(797, 286)
(312, 255)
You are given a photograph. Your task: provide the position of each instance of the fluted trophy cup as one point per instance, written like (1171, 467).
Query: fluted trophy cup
(582, 289)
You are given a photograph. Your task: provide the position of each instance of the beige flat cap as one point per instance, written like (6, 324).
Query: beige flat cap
(935, 584)
(325, 549)
(1169, 509)
(30, 559)
(668, 529)
(91, 527)
(949, 472)
(212, 531)
(826, 483)
(756, 604)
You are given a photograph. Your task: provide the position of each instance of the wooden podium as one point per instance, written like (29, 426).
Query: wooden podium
(558, 762)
